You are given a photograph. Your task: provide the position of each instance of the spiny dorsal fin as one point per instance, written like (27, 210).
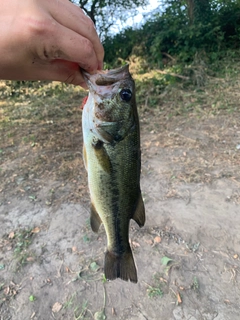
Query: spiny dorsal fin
(95, 220)
(139, 214)
(120, 266)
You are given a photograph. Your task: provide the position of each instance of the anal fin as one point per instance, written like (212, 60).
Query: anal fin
(95, 220)
(139, 214)
(120, 266)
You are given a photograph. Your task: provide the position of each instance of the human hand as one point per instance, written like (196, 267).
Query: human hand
(47, 40)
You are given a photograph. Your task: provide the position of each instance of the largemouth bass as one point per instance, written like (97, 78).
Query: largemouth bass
(112, 158)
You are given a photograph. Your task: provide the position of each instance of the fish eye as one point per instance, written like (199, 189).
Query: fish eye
(126, 95)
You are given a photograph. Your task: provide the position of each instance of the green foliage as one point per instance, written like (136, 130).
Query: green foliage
(106, 14)
(181, 30)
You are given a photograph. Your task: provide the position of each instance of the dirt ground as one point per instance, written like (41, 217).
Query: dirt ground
(187, 254)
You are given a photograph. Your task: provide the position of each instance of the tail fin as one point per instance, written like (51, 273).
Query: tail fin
(120, 266)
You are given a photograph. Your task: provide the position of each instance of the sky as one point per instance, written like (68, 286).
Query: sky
(153, 4)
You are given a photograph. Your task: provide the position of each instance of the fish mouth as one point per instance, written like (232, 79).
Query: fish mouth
(106, 78)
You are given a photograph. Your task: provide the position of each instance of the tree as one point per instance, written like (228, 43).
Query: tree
(106, 13)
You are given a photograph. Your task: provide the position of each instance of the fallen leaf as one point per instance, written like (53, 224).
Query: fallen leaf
(35, 230)
(6, 291)
(157, 239)
(56, 307)
(29, 259)
(179, 299)
(148, 241)
(165, 260)
(11, 235)
(94, 266)
(135, 244)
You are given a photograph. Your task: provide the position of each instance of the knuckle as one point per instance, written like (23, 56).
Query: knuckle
(40, 27)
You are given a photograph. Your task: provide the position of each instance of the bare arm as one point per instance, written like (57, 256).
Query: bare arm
(47, 40)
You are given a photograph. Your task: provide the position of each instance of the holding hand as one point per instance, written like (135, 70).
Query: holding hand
(47, 40)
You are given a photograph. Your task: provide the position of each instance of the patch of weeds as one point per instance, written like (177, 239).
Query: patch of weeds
(193, 246)
(20, 241)
(86, 238)
(29, 138)
(195, 284)
(68, 304)
(100, 315)
(80, 313)
(154, 292)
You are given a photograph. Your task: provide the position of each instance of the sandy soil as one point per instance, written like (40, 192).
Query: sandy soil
(187, 254)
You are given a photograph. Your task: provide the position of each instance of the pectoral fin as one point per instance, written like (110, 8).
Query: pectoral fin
(95, 220)
(102, 156)
(106, 131)
(139, 214)
(104, 135)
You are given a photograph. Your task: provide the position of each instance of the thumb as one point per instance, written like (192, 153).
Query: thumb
(62, 70)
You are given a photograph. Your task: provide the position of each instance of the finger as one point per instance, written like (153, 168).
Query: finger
(72, 17)
(57, 70)
(63, 71)
(61, 43)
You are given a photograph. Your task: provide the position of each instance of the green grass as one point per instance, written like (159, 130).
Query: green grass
(154, 292)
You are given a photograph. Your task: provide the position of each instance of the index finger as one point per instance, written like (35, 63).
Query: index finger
(72, 17)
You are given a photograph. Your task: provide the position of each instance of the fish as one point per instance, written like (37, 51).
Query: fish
(112, 158)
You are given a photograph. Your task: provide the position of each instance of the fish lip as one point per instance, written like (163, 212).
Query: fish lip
(105, 78)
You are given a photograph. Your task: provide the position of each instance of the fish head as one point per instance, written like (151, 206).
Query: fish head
(112, 100)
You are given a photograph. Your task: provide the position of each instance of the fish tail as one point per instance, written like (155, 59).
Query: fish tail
(120, 266)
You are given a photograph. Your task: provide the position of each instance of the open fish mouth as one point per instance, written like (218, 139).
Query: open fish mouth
(104, 82)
